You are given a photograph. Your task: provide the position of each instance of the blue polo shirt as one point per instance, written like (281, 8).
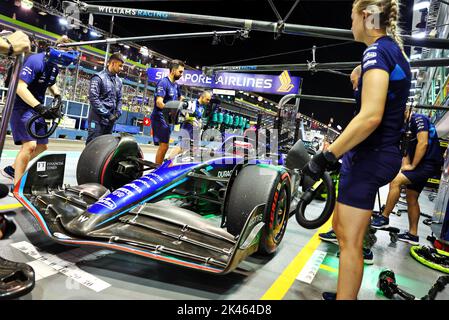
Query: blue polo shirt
(170, 91)
(386, 55)
(420, 123)
(39, 74)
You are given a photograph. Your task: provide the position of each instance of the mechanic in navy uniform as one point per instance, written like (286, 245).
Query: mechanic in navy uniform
(370, 144)
(39, 73)
(105, 97)
(166, 90)
(330, 236)
(193, 120)
(13, 44)
(423, 161)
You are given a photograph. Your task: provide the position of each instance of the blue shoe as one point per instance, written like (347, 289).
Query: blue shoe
(368, 256)
(329, 296)
(407, 237)
(8, 172)
(329, 237)
(379, 222)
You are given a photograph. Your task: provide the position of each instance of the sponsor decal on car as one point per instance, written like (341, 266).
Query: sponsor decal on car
(108, 203)
(135, 187)
(119, 193)
(224, 174)
(41, 166)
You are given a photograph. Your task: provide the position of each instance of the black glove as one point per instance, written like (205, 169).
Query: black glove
(45, 112)
(113, 117)
(316, 167)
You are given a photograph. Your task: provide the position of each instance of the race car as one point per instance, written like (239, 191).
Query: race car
(125, 203)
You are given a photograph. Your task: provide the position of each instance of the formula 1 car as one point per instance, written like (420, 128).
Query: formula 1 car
(117, 206)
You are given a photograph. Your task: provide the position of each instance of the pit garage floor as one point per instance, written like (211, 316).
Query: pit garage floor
(86, 273)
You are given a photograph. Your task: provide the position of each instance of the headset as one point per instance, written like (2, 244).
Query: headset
(62, 58)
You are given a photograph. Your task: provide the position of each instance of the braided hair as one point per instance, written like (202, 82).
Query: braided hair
(389, 16)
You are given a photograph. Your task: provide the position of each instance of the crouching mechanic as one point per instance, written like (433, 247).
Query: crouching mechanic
(39, 73)
(193, 120)
(105, 97)
(422, 162)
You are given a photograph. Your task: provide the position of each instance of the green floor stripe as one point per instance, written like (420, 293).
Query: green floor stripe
(371, 276)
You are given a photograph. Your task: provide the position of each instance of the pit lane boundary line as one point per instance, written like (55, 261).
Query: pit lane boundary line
(283, 283)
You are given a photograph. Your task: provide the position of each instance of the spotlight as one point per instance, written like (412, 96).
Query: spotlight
(94, 34)
(144, 51)
(26, 4)
(63, 21)
(164, 61)
(126, 46)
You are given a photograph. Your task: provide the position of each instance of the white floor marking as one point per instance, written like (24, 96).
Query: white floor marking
(312, 266)
(65, 267)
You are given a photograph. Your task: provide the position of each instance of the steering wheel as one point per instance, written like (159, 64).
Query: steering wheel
(56, 108)
(179, 108)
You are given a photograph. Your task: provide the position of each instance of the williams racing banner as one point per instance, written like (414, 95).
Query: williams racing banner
(270, 84)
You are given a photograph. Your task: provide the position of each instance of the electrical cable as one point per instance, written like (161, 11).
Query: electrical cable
(291, 10)
(281, 53)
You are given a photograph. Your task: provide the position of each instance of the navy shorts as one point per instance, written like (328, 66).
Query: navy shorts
(161, 130)
(423, 172)
(363, 173)
(19, 119)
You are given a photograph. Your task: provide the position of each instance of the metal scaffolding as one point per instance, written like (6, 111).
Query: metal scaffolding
(247, 24)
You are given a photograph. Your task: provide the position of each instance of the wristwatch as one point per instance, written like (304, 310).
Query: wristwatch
(11, 49)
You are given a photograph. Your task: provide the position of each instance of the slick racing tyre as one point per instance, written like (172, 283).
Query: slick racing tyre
(100, 160)
(431, 257)
(255, 185)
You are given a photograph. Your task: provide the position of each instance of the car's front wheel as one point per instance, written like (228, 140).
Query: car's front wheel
(255, 185)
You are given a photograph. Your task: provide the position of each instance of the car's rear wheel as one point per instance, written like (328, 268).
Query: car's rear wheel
(255, 185)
